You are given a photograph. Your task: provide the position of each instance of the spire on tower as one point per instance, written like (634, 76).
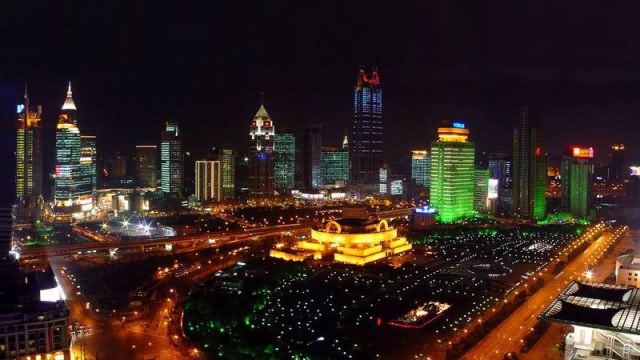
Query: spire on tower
(262, 112)
(68, 102)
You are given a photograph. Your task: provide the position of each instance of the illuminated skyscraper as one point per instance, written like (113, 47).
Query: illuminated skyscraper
(88, 162)
(261, 133)
(577, 181)
(28, 150)
(452, 173)
(284, 148)
(481, 190)
(208, 180)
(420, 167)
(73, 193)
(529, 168)
(312, 150)
(334, 165)
(147, 165)
(227, 158)
(171, 160)
(367, 132)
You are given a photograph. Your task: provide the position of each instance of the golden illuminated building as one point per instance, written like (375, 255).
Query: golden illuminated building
(357, 241)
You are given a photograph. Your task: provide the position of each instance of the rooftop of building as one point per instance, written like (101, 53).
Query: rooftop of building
(602, 306)
(21, 291)
(629, 261)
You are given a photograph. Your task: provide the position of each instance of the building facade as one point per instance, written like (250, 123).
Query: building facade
(284, 148)
(171, 160)
(334, 166)
(529, 168)
(147, 165)
(452, 173)
(481, 190)
(628, 270)
(208, 180)
(73, 192)
(227, 158)
(576, 174)
(312, 154)
(420, 168)
(28, 150)
(500, 169)
(617, 170)
(89, 168)
(261, 157)
(367, 132)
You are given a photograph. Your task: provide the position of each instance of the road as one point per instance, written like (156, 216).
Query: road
(506, 337)
(546, 348)
(200, 240)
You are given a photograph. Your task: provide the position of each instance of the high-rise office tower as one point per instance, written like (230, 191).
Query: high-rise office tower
(577, 181)
(617, 170)
(420, 167)
(481, 190)
(73, 194)
(367, 142)
(208, 180)
(28, 150)
(334, 165)
(147, 165)
(171, 160)
(88, 165)
(261, 133)
(312, 150)
(227, 157)
(284, 148)
(500, 169)
(529, 168)
(452, 173)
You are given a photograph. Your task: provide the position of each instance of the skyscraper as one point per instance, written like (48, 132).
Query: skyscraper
(617, 170)
(577, 181)
(88, 162)
(334, 165)
(28, 150)
(367, 132)
(420, 167)
(481, 190)
(452, 173)
(171, 160)
(73, 190)
(284, 148)
(500, 169)
(147, 165)
(312, 150)
(261, 133)
(529, 168)
(227, 157)
(208, 180)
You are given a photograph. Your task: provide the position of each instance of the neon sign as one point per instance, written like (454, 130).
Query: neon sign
(458, 125)
(20, 108)
(426, 210)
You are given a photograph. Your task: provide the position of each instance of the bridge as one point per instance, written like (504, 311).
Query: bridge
(194, 242)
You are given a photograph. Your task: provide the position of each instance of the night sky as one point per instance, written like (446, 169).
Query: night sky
(135, 64)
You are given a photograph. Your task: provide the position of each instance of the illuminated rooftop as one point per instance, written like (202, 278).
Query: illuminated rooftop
(68, 102)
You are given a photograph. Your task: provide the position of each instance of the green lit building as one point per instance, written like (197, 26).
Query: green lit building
(334, 166)
(284, 148)
(529, 168)
(171, 160)
(452, 173)
(481, 190)
(577, 182)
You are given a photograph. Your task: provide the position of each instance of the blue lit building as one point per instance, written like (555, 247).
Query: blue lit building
(367, 132)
